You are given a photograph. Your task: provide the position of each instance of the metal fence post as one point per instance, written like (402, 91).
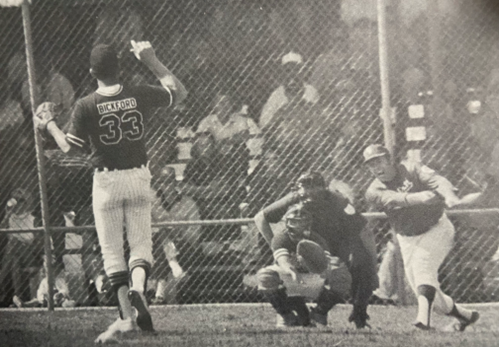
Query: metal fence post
(39, 153)
(386, 109)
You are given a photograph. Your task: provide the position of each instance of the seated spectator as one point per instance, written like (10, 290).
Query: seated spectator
(17, 76)
(331, 68)
(61, 296)
(11, 114)
(230, 127)
(173, 246)
(292, 89)
(23, 250)
(60, 91)
(302, 133)
(216, 182)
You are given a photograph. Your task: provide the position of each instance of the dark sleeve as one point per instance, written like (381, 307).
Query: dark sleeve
(275, 211)
(281, 241)
(156, 96)
(78, 133)
(352, 220)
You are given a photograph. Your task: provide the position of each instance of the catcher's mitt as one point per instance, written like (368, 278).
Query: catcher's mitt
(45, 113)
(312, 256)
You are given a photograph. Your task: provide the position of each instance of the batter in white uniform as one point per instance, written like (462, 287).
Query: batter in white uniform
(414, 197)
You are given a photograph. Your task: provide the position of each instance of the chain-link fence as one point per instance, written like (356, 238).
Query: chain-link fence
(275, 88)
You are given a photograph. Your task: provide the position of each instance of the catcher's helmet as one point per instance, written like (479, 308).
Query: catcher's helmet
(298, 220)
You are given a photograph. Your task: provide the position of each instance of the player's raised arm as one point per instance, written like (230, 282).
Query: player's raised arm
(144, 52)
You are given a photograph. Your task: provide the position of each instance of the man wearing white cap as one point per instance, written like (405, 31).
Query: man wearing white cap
(292, 87)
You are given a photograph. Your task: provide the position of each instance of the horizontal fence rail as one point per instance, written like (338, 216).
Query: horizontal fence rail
(275, 88)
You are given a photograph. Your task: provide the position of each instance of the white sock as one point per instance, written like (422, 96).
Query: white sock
(161, 288)
(424, 310)
(138, 278)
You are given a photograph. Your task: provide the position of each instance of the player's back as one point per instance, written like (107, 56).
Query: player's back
(113, 124)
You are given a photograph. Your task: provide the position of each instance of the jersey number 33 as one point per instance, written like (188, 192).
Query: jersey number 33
(129, 126)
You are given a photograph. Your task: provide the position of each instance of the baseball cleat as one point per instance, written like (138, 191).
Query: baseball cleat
(359, 316)
(305, 321)
(463, 323)
(287, 320)
(422, 326)
(144, 320)
(317, 317)
(119, 326)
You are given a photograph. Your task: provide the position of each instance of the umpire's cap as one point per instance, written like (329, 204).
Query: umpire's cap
(375, 151)
(311, 179)
(104, 61)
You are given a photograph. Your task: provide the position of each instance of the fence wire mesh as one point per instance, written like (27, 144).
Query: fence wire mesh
(275, 88)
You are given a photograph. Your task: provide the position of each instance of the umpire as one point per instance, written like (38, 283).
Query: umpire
(337, 221)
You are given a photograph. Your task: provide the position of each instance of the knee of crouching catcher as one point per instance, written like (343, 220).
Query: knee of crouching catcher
(268, 279)
(339, 280)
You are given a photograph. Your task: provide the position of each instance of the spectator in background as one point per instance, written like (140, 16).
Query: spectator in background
(11, 114)
(485, 120)
(19, 83)
(61, 296)
(216, 182)
(179, 245)
(23, 250)
(11, 120)
(292, 89)
(60, 91)
(230, 127)
(331, 67)
(69, 187)
(228, 121)
(363, 44)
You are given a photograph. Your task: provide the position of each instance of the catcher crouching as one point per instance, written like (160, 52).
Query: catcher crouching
(303, 270)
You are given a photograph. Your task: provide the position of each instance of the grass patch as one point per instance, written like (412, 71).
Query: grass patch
(241, 325)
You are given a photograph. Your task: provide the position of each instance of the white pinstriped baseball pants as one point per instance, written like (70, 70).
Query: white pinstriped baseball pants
(122, 199)
(423, 255)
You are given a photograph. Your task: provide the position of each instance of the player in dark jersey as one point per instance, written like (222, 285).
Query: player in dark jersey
(337, 221)
(110, 122)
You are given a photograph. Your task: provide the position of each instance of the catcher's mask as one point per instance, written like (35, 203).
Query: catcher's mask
(298, 221)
